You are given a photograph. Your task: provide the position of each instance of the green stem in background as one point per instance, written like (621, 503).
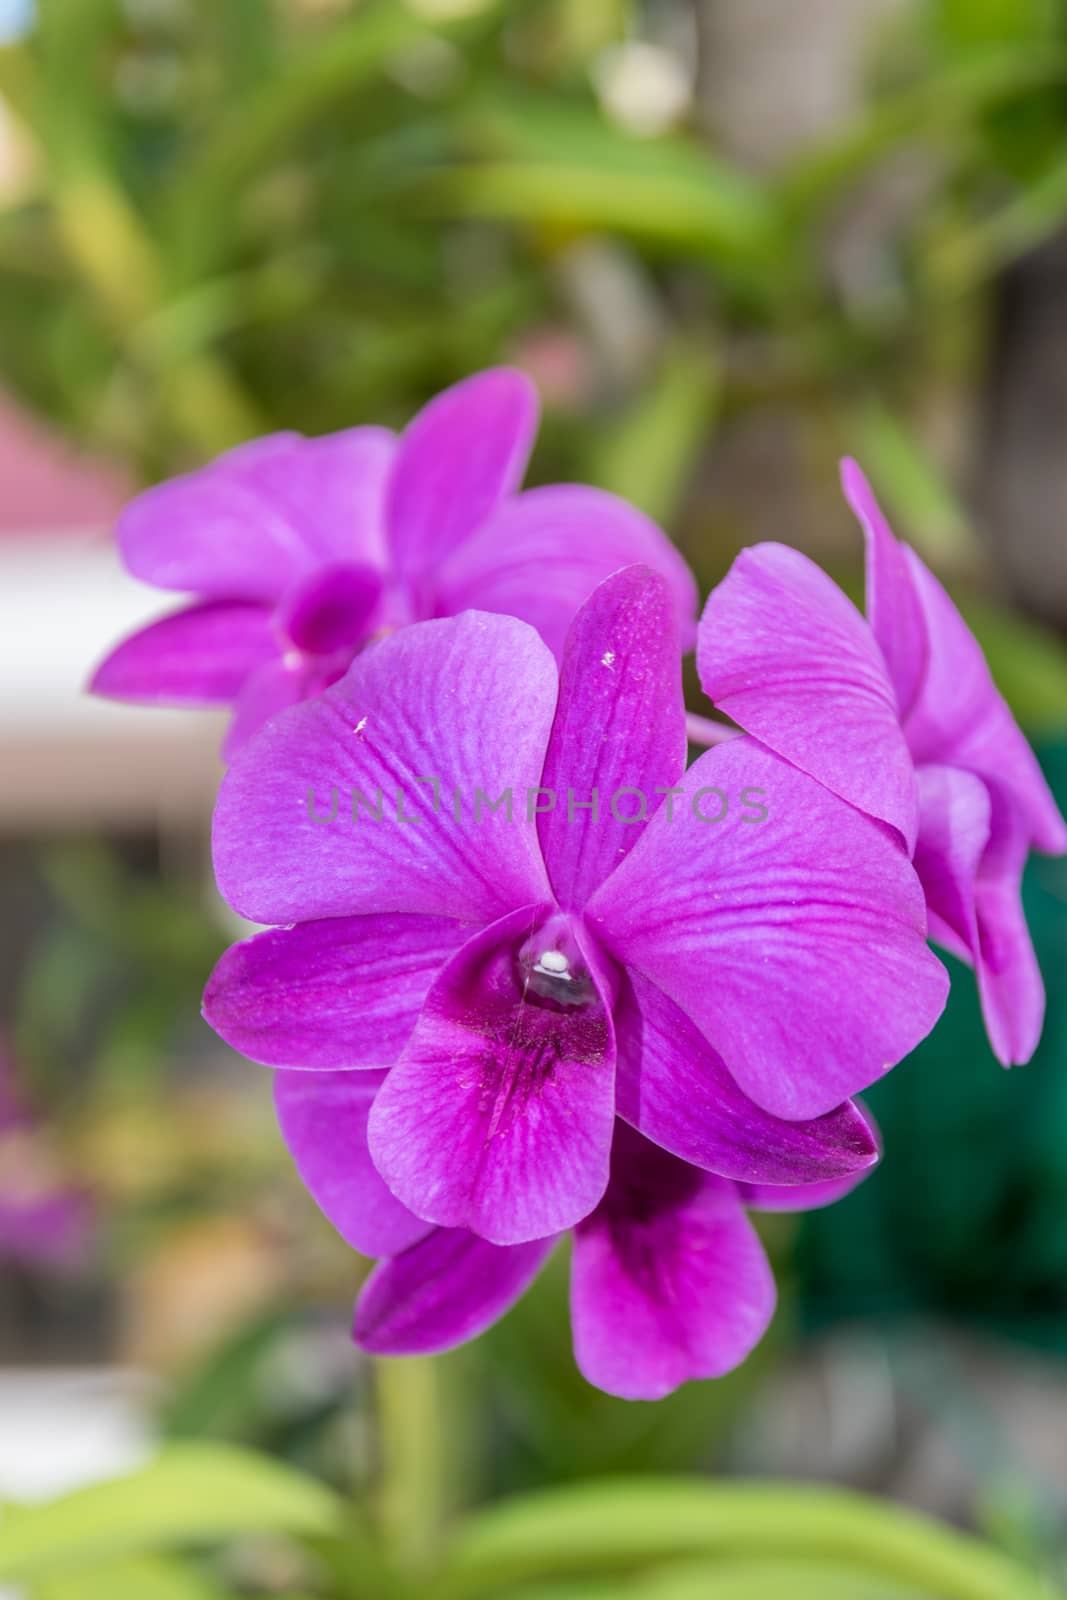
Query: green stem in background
(938, 106)
(105, 241)
(649, 453)
(267, 123)
(920, 499)
(412, 1495)
(976, 253)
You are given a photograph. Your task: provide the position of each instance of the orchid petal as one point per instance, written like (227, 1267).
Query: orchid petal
(954, 820)
(329, 995)
(441, 1292)
(1009, 978)
(200, 656)
(274, 687)
(784, 653)
(961, 719)
(332, 610)
(675, 1089)
(893, 609)
(796, 943)
(669, 1281)
(323, 1119)
(261, 516)
(458, 458)
(618, 733)
(814, 1196)
(972, 848)
(542, 553)
(331, 491)
(465, 702)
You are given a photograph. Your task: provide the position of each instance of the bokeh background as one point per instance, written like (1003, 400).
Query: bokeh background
(731, 240)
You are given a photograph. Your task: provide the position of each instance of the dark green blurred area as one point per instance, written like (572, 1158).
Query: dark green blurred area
(965, 1218)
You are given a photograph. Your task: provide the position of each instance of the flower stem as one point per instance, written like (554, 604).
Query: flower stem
(412, 1486)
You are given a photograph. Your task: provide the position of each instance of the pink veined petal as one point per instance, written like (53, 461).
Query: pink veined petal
(262, 516)
(673, 1087)
(1009, 979)
(954, 818)
(210, 532)
(542, 553)
(813, 1196)
(797, 943)
(443, 1291)
(465, 701)
(800, 1197)
(669, 1281)
(271, 688)
(200, 656)
(324, 996)
(331, 492)
(784, 653)
(323, 1119)
(498, 1116)
(618, 733)
(972, 848)
(461, 455)
(961, 719)
(893, 609)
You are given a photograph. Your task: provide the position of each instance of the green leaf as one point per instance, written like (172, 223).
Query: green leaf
(748, 1580)
(971, 254)
(276, 109)
(601, 1528)
(140, 1578)
(965, 25)
(190, 1494)
(944, 103)
(265, 124)
(648, 453)
(564, 165)
(772, 1580)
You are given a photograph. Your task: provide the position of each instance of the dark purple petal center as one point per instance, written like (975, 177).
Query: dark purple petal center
(536, 1004)
(333, 611)
(498, 1115)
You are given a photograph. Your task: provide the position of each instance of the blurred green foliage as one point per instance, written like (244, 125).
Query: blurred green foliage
(669, 1539)
(245, 214)
(239, 215)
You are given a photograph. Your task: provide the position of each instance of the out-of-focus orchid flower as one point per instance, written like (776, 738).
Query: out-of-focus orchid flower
(301, 551)
(44, 1220)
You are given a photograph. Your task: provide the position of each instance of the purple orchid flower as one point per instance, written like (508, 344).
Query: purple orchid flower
(669, 1281)
(900, 716)
(44, 1222)
(526, 972)
(302, 550)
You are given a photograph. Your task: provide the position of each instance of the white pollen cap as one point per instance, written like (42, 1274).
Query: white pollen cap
(553, 961)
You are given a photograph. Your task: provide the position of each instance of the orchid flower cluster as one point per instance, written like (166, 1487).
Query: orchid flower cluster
(525, 973)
